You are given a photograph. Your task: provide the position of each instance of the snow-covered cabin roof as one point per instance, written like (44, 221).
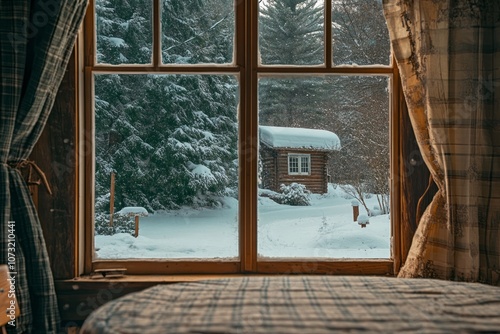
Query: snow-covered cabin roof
(275, 136)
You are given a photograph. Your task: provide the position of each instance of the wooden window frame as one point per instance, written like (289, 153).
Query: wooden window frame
(247, 68)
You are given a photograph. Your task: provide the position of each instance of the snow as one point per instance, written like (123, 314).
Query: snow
(363, 219)
(275, 136)
(200, 170)
(133, 210)
(325, 229)
(116, 41)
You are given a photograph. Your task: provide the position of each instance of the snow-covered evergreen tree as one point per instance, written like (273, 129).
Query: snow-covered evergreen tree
(194, 136)
(124, 31)
(199, 31)
(290, 33)
(170, 139)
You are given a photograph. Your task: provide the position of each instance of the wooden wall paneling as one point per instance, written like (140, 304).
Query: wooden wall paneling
(55, 155)
(315, 182)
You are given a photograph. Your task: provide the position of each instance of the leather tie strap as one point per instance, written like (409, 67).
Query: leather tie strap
(32, 167)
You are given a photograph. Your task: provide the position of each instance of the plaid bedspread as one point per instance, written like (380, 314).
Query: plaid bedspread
(303, 304)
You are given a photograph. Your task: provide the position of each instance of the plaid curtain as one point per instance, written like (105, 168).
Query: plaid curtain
(36, 40)
(448, 54)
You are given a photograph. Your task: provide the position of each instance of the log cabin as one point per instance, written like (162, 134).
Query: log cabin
(296, 155)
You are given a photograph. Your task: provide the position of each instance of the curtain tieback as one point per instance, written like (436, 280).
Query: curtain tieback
(31, 165)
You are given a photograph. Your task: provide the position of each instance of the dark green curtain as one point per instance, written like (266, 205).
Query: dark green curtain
(36, 40)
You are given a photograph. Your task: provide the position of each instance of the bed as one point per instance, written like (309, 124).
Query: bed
(303, 304)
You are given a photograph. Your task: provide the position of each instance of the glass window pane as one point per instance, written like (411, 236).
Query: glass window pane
(359, 32)
(123, 31)
(304, 163)
(334, 130)
(293, 163)
(291, 32)
(197, 32)
(171, 142)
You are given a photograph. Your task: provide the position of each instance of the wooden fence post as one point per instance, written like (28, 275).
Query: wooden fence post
(355, 210)
(136, 226)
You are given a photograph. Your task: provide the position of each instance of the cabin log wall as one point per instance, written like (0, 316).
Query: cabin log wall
(55, 154)
(275, 169)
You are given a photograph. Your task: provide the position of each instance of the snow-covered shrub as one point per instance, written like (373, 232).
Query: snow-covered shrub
(121, 224)
(231, 192)
(293, 194)
(363, 219)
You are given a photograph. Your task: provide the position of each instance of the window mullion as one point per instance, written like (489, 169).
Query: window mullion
(328, 33)
(248, 143)
(397, 108)
(156, 34)
(89, 148)
(89, 36)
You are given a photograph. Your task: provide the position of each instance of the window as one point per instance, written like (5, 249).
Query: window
(298, 164)
(180, 178)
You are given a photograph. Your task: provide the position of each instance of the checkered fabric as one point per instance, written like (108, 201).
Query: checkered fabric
(303, 305)
(36, 40)
(448, 54)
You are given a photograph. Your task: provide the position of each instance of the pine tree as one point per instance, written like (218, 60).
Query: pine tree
(124, 31)
(195, 138)
(199, 31)
(290, 33)
(292, 102)
(123, 36)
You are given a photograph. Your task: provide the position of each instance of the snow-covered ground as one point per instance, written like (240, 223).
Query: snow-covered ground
(323, 230)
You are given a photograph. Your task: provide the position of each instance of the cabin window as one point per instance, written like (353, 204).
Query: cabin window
(298, 164)
(191, 110)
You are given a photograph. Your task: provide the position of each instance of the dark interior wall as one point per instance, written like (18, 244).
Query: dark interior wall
(55, 154)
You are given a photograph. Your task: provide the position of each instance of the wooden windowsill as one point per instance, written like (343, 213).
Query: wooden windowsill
(151, 278)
